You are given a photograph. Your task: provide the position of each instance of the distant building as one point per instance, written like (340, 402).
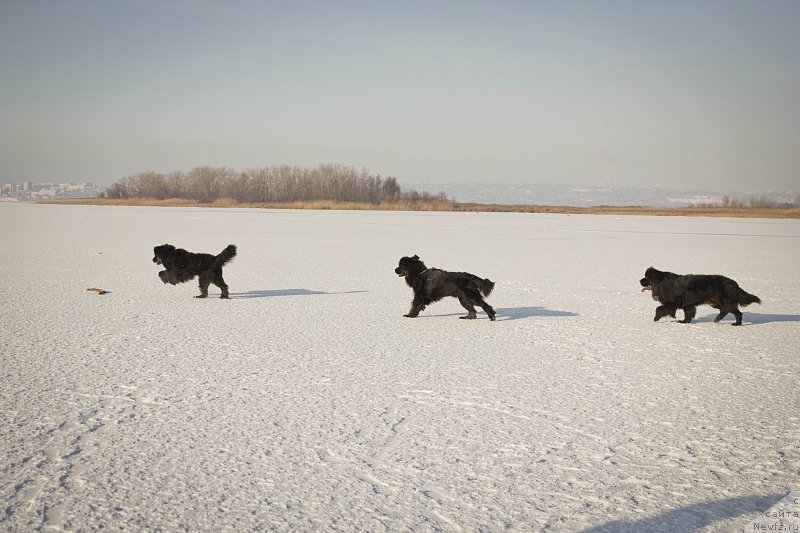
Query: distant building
(44, 191)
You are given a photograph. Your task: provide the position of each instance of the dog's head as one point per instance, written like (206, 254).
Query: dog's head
(161, 252)
(409, 267)
(653, 277)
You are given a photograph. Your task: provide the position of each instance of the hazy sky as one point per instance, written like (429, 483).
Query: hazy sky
(701, 94)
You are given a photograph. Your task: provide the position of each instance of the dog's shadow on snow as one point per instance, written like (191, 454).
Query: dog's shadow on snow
(285, 292)
(515, 313)
(762, 318)
(510, 313)
(697, 516)
(752, 318)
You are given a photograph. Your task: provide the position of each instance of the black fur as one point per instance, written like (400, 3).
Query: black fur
(181, 266)
(687, 291)
(431, 285)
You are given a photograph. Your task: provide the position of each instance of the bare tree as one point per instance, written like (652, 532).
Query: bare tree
(277, 184)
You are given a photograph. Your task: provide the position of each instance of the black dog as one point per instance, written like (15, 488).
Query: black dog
(181, 266)
(431, 285)
(686, 292)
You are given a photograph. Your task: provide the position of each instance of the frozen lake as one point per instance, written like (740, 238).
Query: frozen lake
(307, 402)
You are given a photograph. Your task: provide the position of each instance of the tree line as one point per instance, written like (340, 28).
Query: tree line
(748, 202)
(268, 185)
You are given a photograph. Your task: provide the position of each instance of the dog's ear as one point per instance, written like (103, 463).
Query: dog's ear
(415, 256)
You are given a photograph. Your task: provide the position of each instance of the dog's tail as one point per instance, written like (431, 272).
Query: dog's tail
(745, 298)
(487, 286)
(225, 255)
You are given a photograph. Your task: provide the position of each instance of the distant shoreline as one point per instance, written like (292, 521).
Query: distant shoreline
(449, 207)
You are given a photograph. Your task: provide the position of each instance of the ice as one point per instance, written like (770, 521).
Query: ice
(307, 402)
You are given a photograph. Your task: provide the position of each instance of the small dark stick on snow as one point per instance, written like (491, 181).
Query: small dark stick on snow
(98, 291)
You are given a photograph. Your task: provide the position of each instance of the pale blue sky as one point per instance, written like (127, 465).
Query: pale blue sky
(700, 94)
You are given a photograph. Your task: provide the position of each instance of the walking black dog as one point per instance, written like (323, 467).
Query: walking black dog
(431, 285)
(687, 291)
(181, 266)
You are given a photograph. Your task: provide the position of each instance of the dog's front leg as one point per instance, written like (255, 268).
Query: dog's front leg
(168, 277)
(664, 310)
(416, 307)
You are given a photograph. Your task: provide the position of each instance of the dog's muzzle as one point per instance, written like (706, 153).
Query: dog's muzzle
(646, 285)
(399, 271)
(156, 260)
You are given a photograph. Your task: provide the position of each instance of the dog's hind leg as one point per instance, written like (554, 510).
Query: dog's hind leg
(488, 309)
(467, 304)
(205, 281)
(224, 288)
(219, 282)
(725, 306)
(688, 314)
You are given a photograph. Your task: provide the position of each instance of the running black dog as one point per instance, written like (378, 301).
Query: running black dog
(686, 292)
(181, 266)
(431, 285)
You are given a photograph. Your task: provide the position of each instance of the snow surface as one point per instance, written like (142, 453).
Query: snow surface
(307, 402)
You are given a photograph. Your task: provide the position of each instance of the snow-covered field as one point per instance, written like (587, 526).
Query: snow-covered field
(307, 402)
